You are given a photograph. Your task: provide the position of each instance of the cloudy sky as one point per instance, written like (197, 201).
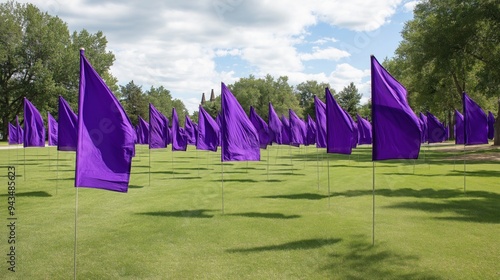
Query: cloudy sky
(189, 47)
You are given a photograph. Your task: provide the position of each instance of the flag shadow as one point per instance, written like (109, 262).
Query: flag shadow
(197, 213)
(265, 215)
(305, 244)
(31, 194)
(306, 196)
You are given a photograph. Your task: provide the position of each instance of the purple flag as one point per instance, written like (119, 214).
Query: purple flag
(475, 122)
(67, 132)
(364, 131)
(240, 140)
(311, 131)
(396, 130)
(190, 129)
(339, 131)
(52, 129)
(320, 109)
(20, 132)
(285, 132)
(261, 127)
(12, 134)
(491, 125)
(435, 129)
(158, 129)
(297, 129)
(354, 130)
(208, 132)
(142, 131)
(275, 126)
(105, 135)
(459, 128)
(425, 131)
(179, 141)
(34, 130)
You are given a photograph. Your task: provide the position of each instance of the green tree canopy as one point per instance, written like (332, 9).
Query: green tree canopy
(306, 92)
(349, 99)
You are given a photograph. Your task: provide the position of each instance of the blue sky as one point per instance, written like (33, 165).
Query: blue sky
(189, 47)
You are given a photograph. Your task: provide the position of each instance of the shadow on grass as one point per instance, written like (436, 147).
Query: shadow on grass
(426, 193)
(198, 213)
(61, 179)
(287, 173)
(31, 194)
(188, 177)
(238, 180)
(273, 180)
(162, 172)
(265, 215)
(364, 261)
(295, 245)
(306, 196)
(135, 187)
(193, 168)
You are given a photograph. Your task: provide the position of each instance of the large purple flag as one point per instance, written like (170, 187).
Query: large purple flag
(261, 127)
(34, 130)
(12, 134)
(20, 132)
(339, 131)
(105, 135)
(67, 132)
(208, 132)
(158, 129)
(320, 109)
(190, 130)
(491, 125)
(459, 128)
(52, 129)
(475, 122)
(275, 126)
(311, 131)
(364, 131)
(179, 141)
(240, 140)
(297, 129)
(142, 131)
(396, 130)
(285, 132)
(435, 129)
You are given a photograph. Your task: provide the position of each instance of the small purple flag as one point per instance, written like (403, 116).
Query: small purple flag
(179, 141)
(159, 133)
(52, 129)
(311, 131)
(475, 122)
(34, 130)
(190, 129)
(142, 132)
(435, 129)
(20, 132)
(320, 109)
(339, 131)
(12, 134)
(67, 132)
(459, 128)
(396, 130)
(491, 125)
(275, 126)
(208, 132)
(364, 131)
(240, 140)
(297, 129)
(261, 127)
(425, 131)
(285, 132)
(105, 135)
(354, 130)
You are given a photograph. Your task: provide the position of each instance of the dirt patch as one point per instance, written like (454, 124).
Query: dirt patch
(485, 152)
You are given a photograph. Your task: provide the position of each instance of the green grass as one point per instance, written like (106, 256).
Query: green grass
(277, 224)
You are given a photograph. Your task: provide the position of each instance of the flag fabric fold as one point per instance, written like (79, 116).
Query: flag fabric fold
(436, 131)
(159, 133)
(208, 132)
(52, 130)
(491, 125)
(20, 132)
(320, 109)
(190, 130)
(105, 135)
(13, 137)
(275, 126)
(423, 122)
(142, 132)
(364, 131)
(67, 132)
(261, 127)
(285, 131)
(240, 140)
(396, 130)
(34, 129)
(339, 130)
(179, 141)
(297, 129)
(459, 128)
(475, 122)
(311, 131)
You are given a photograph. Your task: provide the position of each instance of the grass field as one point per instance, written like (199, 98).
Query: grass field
(278, 222)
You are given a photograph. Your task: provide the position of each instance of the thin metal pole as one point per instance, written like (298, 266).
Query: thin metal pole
(173, 164)
(465, 170)
(317, 164)
(291, 160)
(222, 183)
(76, 233)
(328, 167)
(198, 162)
(24, 165)
(268, 163)
(373, 203)
(149, 167)
(57, 171)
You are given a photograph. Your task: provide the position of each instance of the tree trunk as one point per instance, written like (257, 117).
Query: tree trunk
(496, 140)
(451, 125)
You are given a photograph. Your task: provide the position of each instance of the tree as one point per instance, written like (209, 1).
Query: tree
(162, 99)
(134, 102)
(306, 92)
(39, 60)
(349, 99)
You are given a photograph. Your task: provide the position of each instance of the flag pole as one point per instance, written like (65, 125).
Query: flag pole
(328, 166)
(291, 160)
(149, 173)
(57, 171)
(465, 169)
(268, 162)
(173, 176)
(76, 231)
(24, 164)
(317, 164)
(373, 203)
(198, 162)
(222, 183)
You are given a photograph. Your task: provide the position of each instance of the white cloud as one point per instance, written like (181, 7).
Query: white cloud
(409, 6)
(324, 40)
(327, 54)
(345, 73)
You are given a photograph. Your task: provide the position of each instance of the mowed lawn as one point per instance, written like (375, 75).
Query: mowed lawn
(278, 220)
